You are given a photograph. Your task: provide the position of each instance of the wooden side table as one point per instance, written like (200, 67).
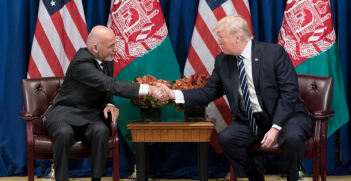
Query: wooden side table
(144, 133)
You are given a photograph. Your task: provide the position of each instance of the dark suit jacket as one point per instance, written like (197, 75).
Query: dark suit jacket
(275, 83)
(86, 90)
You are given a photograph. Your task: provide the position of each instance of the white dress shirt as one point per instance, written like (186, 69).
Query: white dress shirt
(248, 68)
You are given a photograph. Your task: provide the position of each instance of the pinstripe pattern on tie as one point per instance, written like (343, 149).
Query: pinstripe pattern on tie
(246, 94)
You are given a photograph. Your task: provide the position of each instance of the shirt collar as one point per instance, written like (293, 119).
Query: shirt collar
(247, 50)
(99, 62)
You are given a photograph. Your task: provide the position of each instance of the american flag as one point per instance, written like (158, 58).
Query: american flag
(60, 31)
(204, 49)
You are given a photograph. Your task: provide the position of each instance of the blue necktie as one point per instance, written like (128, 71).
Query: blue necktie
(246, 94)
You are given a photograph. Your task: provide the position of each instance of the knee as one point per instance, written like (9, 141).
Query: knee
(101, 131)
(64, 135)
(293, 140)
(225, 140)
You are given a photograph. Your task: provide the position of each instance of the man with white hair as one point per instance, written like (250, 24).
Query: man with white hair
(261, 85)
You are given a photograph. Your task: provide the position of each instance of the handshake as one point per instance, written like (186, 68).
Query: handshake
(161, 92)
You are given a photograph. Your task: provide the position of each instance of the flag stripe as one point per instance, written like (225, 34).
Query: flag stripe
(224, 109)
(213, 113)
(66, 42)
(219, 12)
(32, 66)
(53, 35)
(188, 70)
(243, 9)
(72, 31)
(210, 41)
(47, 50)
(78, 20)
(56, 38)
(207, 14)
(215, 145)
(196, 62)
(80, 9)
(39, 59)
(202, 51)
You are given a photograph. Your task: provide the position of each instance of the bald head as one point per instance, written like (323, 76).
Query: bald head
(102, 43)
(97, 33)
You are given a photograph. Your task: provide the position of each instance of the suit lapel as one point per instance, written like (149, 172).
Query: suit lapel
(256, 63)
(233, 71)
(256, 59)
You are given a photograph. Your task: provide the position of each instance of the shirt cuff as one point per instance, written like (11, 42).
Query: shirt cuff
(143, 90)
(178, 97)
(277, 127)
(109, 104)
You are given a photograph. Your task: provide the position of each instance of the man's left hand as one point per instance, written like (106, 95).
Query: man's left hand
(114, 112)
(270, 138)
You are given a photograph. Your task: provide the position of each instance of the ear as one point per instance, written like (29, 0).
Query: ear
(95, 48)
(238, 39)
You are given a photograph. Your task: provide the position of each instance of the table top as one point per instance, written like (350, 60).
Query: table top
(170, 124)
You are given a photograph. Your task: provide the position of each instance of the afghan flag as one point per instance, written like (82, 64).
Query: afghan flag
(308, 36)
(144, 48)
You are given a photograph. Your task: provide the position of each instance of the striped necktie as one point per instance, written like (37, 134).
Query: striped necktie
(246, 94)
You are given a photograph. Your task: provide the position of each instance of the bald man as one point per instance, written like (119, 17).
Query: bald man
(81, 109)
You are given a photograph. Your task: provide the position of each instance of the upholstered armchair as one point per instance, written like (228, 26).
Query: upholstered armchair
(38, 95)
(315, 92)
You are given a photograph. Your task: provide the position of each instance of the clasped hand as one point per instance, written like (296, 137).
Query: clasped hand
(270, 138)
(161, 92)
(114, 112)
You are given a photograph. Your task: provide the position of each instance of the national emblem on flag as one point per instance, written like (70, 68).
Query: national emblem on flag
(137, 34)
(307, 29)
(204, 49)
(308, 36)
(59, 32)
(144, 48)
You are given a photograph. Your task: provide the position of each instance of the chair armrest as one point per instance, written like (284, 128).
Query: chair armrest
(114, 128)
(322, 114)
(28, 116)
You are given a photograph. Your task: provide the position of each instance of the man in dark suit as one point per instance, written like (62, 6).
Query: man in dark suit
(261, 85)
(84, 101)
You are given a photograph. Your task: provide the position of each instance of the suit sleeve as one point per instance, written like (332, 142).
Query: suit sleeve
(288, 87)
(208, 93)
(86, 73)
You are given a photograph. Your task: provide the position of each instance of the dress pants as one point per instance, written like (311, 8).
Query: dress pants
(237, 137)
(96, 134)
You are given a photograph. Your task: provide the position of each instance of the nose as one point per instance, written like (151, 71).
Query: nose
(219, 42)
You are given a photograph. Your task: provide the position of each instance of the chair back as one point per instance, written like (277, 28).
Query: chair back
(315, 91)
(38, 95)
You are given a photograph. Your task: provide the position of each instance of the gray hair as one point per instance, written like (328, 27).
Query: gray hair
(235, 24)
